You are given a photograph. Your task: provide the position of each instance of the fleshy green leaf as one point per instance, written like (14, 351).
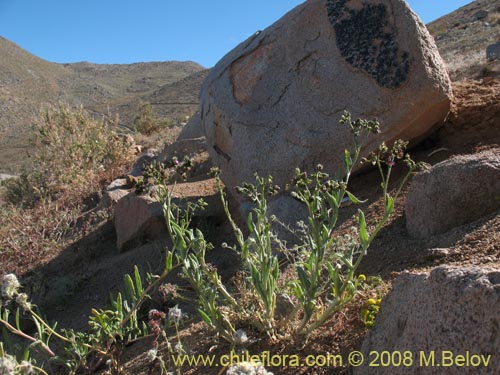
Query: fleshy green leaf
(138, 281)
(347, 160)
(304, 278)
(129, 286)
(354, 199)
(389, 206)
(363, 233)
(205, 317)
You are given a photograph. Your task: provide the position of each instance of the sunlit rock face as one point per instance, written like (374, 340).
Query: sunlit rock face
(273, 103)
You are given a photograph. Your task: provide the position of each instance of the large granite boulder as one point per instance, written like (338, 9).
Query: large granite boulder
(447, 320)
(273, 103)
(454, 192)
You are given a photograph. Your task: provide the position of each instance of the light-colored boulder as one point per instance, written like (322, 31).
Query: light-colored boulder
(454, 192)
(273, 103)
(114, 192)
(139, 218)
(192, 129)
(450, 312)
(182, 148)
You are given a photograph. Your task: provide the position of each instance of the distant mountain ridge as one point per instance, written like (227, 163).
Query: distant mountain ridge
(29, 83)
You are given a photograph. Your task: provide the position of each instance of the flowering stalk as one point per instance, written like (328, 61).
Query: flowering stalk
(256, 250)
(20, 333)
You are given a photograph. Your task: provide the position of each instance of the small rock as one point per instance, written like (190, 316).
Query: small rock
(493, 52)
(115, 191)
(437, 253)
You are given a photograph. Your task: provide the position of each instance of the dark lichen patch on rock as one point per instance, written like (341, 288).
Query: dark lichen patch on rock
(366, 39)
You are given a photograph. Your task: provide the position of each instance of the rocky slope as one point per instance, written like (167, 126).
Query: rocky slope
(463, 36)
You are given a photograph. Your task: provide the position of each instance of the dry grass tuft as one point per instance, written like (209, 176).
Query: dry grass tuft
(56, 200)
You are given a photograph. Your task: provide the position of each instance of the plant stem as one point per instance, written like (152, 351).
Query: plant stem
(39, 370)
(49, 328)
(27, 337)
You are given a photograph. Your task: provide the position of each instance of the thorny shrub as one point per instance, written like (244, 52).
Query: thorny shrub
(147, 123)
(74, 156)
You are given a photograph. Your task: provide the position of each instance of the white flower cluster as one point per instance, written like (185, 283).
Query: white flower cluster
(175, 314)
(7, 366)
(240, 337)
(248, 368)
(10, 291)
(26, 368)
(10, 286)
(22, 301)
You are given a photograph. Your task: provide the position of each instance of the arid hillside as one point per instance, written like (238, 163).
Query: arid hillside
(463, 36)
(29, 84)
(401, 261)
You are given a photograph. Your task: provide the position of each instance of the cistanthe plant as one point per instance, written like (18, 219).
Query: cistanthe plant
(110, 330)
(326, 279)
(325, 264)
(257, 251)
(189, 247)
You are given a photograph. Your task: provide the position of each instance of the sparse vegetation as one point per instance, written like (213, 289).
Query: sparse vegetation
(324, 268)
(309, 298)
(29, 83)
(462, 39)
(147, 123)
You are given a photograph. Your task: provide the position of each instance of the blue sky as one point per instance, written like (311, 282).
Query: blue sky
(127, 31)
